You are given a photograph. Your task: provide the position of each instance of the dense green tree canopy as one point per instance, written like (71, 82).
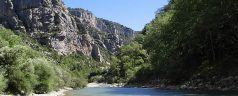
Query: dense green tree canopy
(193, 36)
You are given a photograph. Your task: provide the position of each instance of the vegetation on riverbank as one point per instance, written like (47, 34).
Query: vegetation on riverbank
(190, 43)
(28, 67)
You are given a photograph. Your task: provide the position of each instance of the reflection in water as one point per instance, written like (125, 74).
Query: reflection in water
(145, 92)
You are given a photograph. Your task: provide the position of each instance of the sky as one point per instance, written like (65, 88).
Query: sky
(131, 13)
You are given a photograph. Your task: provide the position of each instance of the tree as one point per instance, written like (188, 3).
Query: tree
(192, 37)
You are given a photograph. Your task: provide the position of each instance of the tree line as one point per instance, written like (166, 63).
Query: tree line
(188, 39)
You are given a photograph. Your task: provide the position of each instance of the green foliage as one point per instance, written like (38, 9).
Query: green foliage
(19, 62)
(80, 67)
(30, 67)
(19, 73)
(192, 37)
(3, 83)
(131, 59)
(8, 38)
(79, 81)
(44, 75)
(140, 38)
(113, 74)
(63, 77)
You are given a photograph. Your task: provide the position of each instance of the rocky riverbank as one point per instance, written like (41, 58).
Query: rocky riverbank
(214, 83)
(95, 85)
(182, 87)
(54, 93)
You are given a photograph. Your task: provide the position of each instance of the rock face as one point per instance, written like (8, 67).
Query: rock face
(65, 30)
(46, 20)
(107, 34)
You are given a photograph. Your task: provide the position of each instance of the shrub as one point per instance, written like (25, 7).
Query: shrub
(21, 80)
(32, 68)
(3, 83)
(19, 72)
(97, 78)
(10, 37)
(3, 43)
(79, 82)
(45, 75)
(63, 77)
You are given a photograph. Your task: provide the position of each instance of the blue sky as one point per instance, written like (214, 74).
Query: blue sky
(131, 13)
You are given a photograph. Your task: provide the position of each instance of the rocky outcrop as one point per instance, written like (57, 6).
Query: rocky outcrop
(46, 20)
(8, 17)
(66, 31)
(107, 34)
(212, 83)
(96, 54)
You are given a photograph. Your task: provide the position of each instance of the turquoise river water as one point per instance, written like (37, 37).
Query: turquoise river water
(145, 92)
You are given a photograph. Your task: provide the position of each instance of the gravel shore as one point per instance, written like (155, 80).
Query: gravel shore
(95, 85)
(54, 93)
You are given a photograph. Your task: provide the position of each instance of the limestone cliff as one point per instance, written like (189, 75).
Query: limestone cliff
(107, 34)
(66, 31)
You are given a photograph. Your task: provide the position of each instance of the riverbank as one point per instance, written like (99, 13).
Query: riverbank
(181, 87)
(226, 84)
(96, 85)
(215, 82)
(60, 92)
(161, 86)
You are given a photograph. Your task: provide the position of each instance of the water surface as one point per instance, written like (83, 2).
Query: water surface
(145, 92)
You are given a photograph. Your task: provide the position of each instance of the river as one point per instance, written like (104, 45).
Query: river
(145, 92)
